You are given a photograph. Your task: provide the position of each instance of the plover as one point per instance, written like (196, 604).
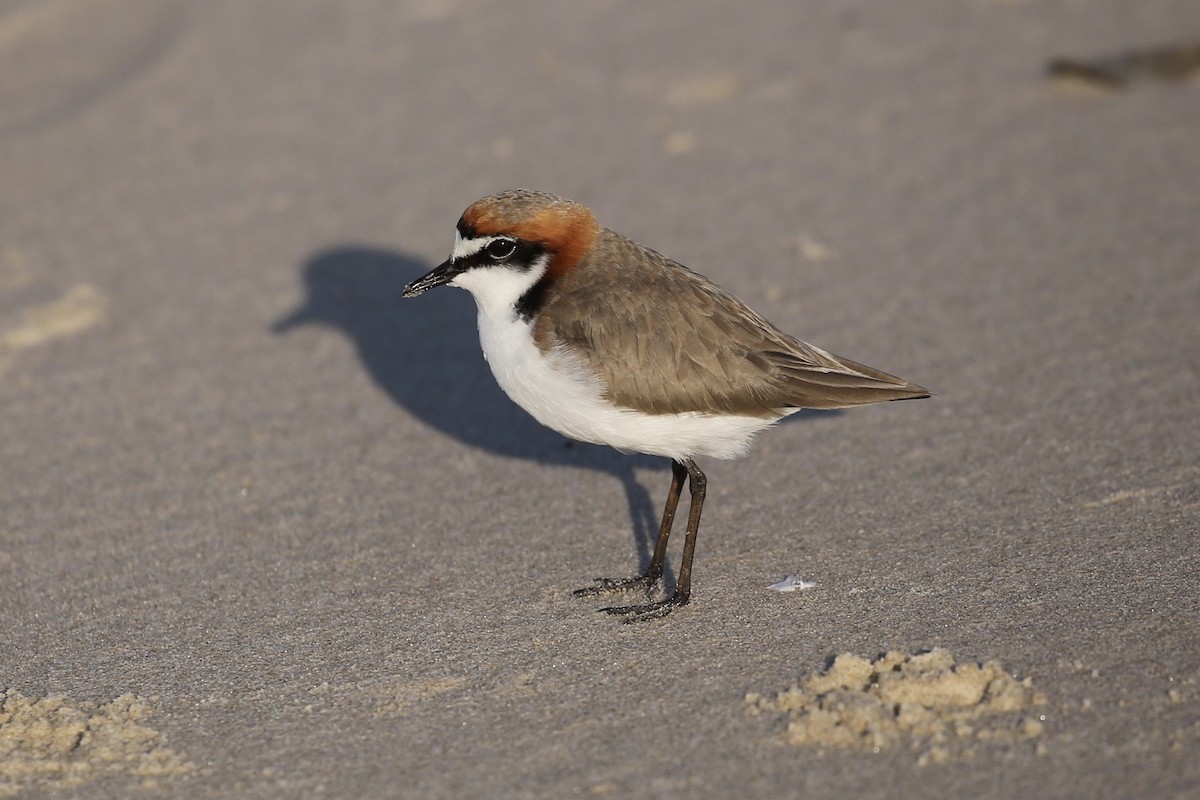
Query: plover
(607, 341)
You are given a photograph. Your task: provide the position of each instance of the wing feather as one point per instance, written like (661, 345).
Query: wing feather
(701, 350)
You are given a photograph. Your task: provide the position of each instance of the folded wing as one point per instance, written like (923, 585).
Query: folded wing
(704, 351)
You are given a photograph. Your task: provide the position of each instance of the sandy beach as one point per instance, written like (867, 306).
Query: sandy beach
(269, 530)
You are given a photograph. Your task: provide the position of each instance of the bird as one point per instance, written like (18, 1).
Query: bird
(609, 342)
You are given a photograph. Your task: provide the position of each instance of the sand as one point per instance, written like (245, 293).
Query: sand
(926, 702)
(269, 530)
(51, 742)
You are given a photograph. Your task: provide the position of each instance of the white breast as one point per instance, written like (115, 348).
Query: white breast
(559, 392)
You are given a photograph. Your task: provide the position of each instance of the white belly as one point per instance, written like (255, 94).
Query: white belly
(560, 393)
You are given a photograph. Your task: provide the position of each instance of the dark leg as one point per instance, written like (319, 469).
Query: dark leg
(697, 485)
(653, 572)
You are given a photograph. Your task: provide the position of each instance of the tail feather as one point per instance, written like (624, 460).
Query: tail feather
(841, 383)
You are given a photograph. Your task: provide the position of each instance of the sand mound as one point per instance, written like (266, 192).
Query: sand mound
(52, 741)
(926, 702)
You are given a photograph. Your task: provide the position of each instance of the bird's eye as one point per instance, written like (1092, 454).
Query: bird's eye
(500, 249)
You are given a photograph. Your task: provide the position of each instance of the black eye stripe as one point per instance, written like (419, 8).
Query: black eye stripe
(522, 257)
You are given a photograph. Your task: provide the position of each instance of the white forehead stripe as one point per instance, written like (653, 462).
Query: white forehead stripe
(465, 248)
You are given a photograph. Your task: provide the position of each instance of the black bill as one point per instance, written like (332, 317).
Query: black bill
(441, 274)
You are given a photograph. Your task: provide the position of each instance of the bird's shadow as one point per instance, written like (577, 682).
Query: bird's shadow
(425, 355)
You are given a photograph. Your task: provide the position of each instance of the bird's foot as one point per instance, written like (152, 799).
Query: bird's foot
(613, 585)
(645, 611)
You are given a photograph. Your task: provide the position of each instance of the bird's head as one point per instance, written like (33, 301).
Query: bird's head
(508, 243)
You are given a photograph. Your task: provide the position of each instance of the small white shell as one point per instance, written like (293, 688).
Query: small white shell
(791, 583)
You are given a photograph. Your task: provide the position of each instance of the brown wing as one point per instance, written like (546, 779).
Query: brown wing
(666, 340)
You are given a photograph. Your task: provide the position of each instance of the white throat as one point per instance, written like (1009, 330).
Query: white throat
(497, 289)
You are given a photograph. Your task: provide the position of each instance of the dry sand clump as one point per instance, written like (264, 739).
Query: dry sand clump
(926, 702)
(51, 741)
